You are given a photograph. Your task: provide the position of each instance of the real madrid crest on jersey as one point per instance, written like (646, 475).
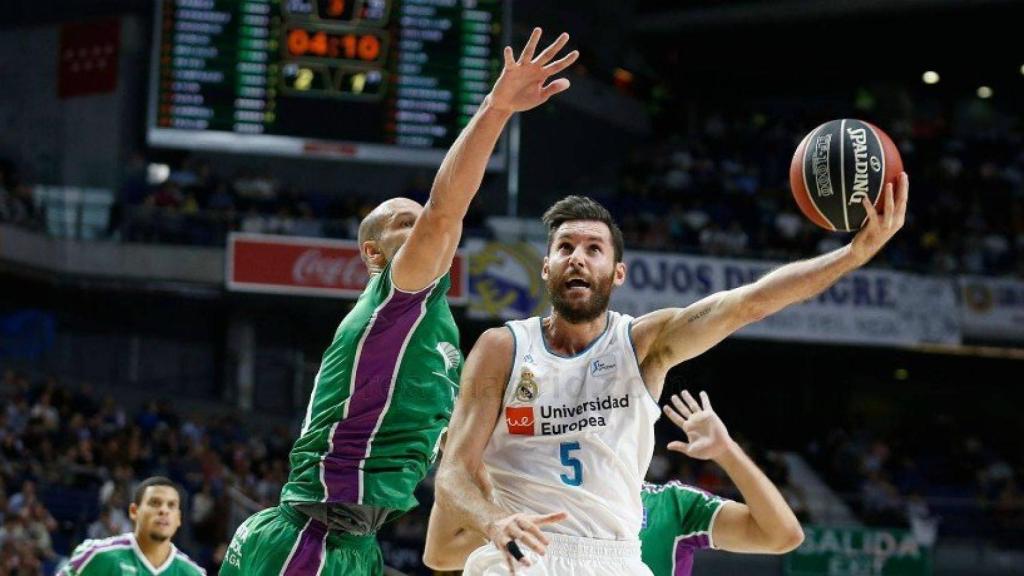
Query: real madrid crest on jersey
(526, 390)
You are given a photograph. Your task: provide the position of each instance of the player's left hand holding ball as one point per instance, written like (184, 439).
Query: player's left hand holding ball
(881, 227)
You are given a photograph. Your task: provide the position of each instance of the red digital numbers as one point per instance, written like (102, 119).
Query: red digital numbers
(365, 47)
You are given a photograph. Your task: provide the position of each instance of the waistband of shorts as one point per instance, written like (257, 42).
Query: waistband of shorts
(593, 548)
(334, 538)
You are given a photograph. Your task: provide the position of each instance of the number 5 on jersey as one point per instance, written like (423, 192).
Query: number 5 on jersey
(567, 460)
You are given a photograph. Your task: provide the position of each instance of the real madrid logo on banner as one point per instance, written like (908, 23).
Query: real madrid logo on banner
(504, 280)
(526, 390)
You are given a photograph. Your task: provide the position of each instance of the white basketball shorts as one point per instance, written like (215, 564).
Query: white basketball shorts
(565, 556)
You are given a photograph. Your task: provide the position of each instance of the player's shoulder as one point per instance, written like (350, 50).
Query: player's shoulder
(533, 322)
(96, 553)
(620, 317)
(490, 361)
(496, 340)
(187, 565)
(98, 545)
(676, 489)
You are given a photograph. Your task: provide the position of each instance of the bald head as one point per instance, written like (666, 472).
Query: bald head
(372, 225)
(377, 225)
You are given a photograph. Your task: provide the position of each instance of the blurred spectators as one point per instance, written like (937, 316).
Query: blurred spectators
(720, 186)
(69, 463)
(715, 183)
(949, 483)
(16, 204)
(62, 483)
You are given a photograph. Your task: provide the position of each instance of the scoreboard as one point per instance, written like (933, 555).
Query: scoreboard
(377, 80)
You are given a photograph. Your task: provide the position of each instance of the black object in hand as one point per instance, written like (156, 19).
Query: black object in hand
(514, 550)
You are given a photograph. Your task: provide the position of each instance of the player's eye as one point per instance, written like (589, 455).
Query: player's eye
(595, 248)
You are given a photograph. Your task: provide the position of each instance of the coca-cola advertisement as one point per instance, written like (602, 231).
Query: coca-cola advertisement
(308, 266)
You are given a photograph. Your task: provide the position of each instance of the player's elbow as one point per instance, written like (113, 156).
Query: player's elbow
(436, 559)
(787, 539)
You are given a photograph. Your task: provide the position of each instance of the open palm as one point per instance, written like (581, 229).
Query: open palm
(707, 437)
(523, 83)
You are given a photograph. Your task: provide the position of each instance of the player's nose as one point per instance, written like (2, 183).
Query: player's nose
(577, 258)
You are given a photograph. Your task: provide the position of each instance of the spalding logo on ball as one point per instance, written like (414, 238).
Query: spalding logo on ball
(837, 166)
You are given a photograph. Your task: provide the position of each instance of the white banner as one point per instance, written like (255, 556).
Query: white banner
(865, 307)
(992, 307)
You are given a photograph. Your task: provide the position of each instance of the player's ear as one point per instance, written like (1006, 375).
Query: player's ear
(620, 274)
(373, 255)
(133, 511)
(545, 271)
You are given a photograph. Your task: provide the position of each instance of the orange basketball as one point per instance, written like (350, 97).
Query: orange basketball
(839, 164)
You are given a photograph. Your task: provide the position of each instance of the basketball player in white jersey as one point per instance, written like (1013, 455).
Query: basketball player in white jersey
(561, 409)
(678, 519)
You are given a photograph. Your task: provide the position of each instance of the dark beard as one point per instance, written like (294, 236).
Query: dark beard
(597, 304)
(158, 537)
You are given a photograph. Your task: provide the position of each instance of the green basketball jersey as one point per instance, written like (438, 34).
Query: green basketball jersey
(122, 555)
(381, 400)
(677, 522)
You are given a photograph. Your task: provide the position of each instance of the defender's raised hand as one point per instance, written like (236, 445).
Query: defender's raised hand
(706, 434)
(523, 83)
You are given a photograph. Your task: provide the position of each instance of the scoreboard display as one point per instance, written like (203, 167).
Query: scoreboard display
(378, 80)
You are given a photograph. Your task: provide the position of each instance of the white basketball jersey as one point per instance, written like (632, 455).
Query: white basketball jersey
(575, 434)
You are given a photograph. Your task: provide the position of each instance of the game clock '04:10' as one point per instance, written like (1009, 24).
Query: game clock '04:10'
(304, 43)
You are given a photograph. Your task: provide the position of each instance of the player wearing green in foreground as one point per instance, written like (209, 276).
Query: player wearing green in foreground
(387, 383)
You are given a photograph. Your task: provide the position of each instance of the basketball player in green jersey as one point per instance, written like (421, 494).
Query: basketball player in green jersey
(678, 519)
(146, 551)
(387, 383)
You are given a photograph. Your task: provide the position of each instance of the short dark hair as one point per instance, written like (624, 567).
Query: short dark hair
(582, 208)
(140, 490)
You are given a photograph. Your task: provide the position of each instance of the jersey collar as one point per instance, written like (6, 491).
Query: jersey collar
(145, 561)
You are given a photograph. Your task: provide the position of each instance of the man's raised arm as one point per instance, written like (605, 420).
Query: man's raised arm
(765, 523)
(669, 336)
(522, 85)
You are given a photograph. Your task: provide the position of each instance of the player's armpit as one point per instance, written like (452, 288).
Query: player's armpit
(427, 254)
(666, 337)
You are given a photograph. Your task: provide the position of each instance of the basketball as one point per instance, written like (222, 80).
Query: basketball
(837, 166)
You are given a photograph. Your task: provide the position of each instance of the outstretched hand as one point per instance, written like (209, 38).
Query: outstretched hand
(523, 83)
(707, 436)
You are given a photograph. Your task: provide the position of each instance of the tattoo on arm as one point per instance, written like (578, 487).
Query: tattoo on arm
(698, 315)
